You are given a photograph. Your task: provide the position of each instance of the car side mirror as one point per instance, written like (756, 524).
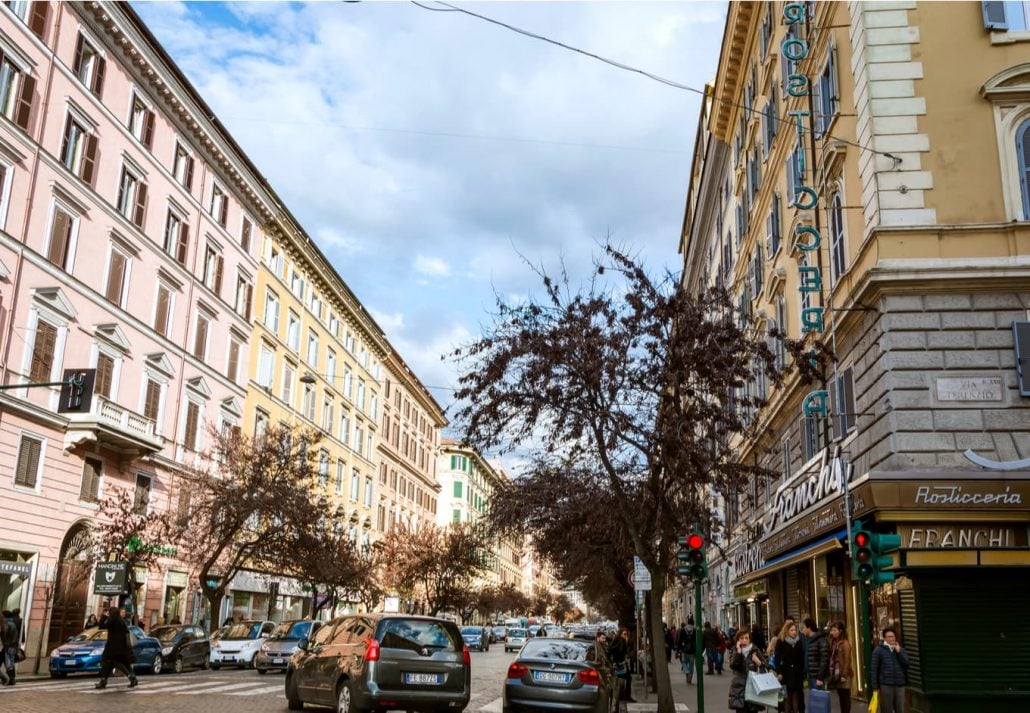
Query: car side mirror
(303, 644)
(69, 639)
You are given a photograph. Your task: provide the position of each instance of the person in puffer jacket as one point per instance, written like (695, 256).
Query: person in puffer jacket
(889, 666)
(818, 655)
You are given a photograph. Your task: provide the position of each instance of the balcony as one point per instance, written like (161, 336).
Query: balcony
(113, 426)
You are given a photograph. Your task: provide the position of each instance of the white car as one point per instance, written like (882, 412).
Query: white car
(239, 643)
(516, 639)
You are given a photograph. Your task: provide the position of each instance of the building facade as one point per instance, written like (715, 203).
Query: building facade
(860, 178)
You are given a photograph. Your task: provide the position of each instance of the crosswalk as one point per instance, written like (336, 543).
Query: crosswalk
(150, 686)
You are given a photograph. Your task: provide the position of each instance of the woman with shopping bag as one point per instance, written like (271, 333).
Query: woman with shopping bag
(790, 667)
(840, 665)
(745, 661)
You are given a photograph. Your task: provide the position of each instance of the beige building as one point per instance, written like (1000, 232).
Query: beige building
(860, 177)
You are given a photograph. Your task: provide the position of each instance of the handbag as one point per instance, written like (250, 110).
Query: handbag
(818, 701)
(19, 655)
(874, 703)
(762, 689)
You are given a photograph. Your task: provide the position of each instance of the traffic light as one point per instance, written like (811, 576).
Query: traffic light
(692, 557)
(883, 546)
(861, 554)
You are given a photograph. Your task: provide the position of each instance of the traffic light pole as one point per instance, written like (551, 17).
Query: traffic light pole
(697, 647)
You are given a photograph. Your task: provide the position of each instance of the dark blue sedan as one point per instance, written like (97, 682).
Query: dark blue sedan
(82, 653)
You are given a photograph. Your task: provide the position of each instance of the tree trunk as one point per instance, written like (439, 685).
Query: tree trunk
(659, 666)
(214, 599)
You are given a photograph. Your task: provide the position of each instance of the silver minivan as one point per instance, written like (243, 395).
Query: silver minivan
(378, 662)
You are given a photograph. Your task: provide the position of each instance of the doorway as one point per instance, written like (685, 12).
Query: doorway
(71, 586)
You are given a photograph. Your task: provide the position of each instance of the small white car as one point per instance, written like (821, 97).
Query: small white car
(516, 639)
(239, 643)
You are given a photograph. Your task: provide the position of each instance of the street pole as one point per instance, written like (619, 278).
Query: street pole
(867, 643)
(697, 647)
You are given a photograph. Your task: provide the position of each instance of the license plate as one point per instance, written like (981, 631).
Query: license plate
(431, 679)
(228, 658)
(71, 662)
(548, 677)
(277, 661)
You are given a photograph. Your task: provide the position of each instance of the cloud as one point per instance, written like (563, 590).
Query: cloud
(432, 266)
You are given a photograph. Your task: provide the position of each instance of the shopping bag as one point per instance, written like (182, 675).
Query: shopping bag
(874, 703)
(762, 689)
(818, 701)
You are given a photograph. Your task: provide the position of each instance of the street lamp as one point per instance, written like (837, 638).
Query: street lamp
(308, 378)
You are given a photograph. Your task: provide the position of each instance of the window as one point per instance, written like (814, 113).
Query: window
(340, 475)
(163, 309)
(244, 297)
(812, 433)
(275, 262)
(104, 382)
(117, 276)
(88, 65)
(36, 19)
(457, 487)
(766, 30)
(368, 492)
(192, 426)
(348, 342)
(43, 348)
(177, 236)
(132, 197)
(79, 150)
(297, 285)
(141, 121)
(92, 469)
(826, 95)
(842, 404)
(219, 205)
(17, 92)
(312, 356)
(1023, 161)
(293, 331)
(272, 311)
(781, 323)
(1007, 16)
(373, 406)
(232, 366)
(327, 414)
(795, 173)
(456, 515)
(200, 336)
(361, 394)
(308, 402)
(330, 366)
(26, 471)
(288, 375)
(182, 166)
(359, 436)
(348, 383)
(152, 400)
(323, 468)
(837, 247)
(260, 423)
(63, 232)
(246, 232)
(141, 501)
(773, 228)
(213, 267)
(355, 485)
(266, 366)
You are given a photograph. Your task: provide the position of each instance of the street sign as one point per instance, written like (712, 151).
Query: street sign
(641, 576)
(110, 577)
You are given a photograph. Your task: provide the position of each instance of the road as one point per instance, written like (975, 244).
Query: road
(224, 691)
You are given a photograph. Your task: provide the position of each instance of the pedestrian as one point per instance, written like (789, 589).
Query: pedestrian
(118, 653)
(818, 660)
(840, 665)
(888, 670)
(758, 637)
(619, 653)
(745, 657)
(91, 622)
(686, 642)
(668, 644)
(17, 622)
(601, 639)
(720, 649)
(732, 632)
(8, 647)
(710, 642)
(790, 667)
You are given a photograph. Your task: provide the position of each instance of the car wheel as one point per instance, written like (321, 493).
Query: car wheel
(178, 666)
(215, 666)
(251, 664)
(158, 664)
(262, 671)
(293, 702)
(345, 698)
(58, 674)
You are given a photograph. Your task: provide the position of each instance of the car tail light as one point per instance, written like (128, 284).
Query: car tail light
(372, 650)
(589, 676)
(466, 657)
(517, 670)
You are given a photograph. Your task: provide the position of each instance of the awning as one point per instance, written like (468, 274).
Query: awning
(827, 544)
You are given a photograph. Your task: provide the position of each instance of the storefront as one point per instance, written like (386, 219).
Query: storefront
(256, 596)
(15, 579)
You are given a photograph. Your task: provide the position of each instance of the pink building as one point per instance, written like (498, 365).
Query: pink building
(128, 243)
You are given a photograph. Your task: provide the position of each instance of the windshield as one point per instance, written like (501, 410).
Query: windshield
(415, 635)
(517, 633)
(555, 649)
(91, 635)
(243, 630)
(166, 634)
(499, 630)
(292, 630)
(471, 630)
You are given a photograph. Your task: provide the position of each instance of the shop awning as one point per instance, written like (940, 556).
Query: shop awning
(827, 544)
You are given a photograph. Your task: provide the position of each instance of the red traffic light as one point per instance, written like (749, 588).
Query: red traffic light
(695, 541)
(862, 539)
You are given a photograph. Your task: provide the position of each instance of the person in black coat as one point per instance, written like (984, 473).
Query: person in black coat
(618, 651)
(888, 671)
(118, 651)
(745, 657)
(790, 667)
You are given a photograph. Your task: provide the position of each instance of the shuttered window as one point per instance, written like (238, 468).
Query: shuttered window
(177, 237)
(192, 423)
(246, 231)
(200, 338)
(233, 365)
(1023, 161)
(163, 310)
(38, 19)
(1021, 337)
(92, 468)
(116, 270)
(141, 499)
(105, 375)
(26, 472)
(141, 122)
(89, 66)
(132, 197)
(152, 400)
(43, 348)
(60, 237)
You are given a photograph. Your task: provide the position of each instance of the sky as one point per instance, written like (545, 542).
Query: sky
(432, 154)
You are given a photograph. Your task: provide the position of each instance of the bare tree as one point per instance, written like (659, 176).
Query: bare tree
(634, 381)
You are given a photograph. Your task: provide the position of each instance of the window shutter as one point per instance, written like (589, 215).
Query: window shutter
(60, 235)
(184, 241)
(223, 211)
(189, 173)
(77, 64)
(89, 158)
(148, 129)
(90, 489)
(99, 68)
(245, 235)
(38, 18)
(152, 402)
(43, 352)
(183, 515)
(23, 107)
(28, 462)
(192, 416)
(1023, 159)
(1021, 336)
(200, 338)
(248, 298)
(994, 15)
(105, 375)
(219, 264)
(115, 277)
(139, 210)
(234, 360)
(817, 107)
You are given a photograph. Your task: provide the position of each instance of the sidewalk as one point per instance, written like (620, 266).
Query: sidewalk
(716, 690)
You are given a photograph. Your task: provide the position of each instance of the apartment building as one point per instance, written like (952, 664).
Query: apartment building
(860, 176)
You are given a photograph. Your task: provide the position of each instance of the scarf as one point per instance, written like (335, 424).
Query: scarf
(792, 640)
(746, 651)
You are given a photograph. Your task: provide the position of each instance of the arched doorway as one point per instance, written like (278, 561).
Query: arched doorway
(71, 585)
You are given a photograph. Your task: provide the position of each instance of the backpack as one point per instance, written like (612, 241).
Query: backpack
(688, 641)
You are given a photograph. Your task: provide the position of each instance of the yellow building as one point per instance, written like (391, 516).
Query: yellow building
(862, 176)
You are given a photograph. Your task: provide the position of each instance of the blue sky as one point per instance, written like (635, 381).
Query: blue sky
(426, 151)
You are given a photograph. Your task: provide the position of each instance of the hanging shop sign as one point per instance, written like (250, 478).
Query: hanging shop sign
(805, 492)
(110, 577)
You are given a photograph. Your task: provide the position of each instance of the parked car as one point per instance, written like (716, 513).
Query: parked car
(560, 674)
(239, 644)
(500, 633)
(183, 646)
(275, 653)
(477, 637)
(81, 653)
(516, 639)
(380, 662)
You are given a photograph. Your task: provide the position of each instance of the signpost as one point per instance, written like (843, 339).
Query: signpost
(110, 577)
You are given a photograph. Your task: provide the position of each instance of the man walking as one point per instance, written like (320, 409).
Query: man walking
(818, 659)
(687, 644)
(710, 641)
(118, 651)
(888, 669)
(8, 647)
